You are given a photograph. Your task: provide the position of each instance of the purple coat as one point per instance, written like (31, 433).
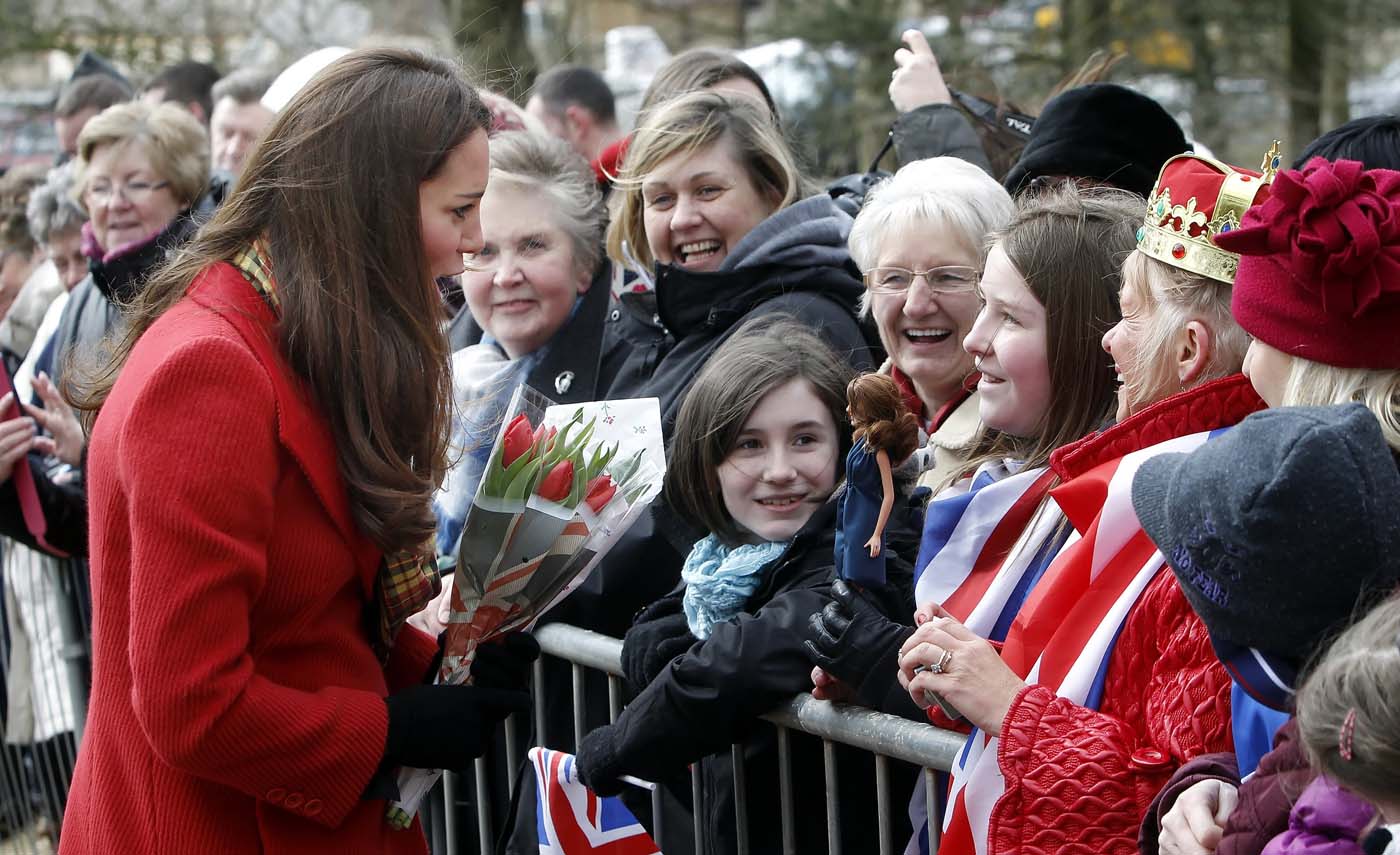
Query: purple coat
(1327, 820)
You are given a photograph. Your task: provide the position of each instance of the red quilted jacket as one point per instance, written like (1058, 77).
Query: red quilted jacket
(1080, 780)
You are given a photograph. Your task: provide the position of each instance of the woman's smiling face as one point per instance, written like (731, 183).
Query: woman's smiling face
(697, 206)
(521, 285)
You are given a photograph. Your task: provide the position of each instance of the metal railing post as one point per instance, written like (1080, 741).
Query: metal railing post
(741, 798)
(885, 736)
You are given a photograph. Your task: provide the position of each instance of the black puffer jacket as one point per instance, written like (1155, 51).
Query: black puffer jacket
(712, 695)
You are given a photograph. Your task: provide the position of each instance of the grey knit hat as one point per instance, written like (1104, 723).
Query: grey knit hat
(1276, 529)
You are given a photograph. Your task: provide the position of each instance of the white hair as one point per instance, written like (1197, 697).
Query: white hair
(1178, 297)
(940, 192)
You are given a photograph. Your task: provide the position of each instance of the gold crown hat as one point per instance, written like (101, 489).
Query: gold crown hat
(1195, 199)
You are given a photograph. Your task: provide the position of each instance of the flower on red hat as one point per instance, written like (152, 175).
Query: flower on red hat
(1336, 228)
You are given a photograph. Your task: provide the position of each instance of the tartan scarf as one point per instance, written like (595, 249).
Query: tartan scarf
(407, 580)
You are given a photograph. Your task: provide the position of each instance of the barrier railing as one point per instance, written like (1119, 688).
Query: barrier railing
(885, 736)
(43, 693)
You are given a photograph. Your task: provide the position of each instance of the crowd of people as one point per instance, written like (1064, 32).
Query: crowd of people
(1074, 440)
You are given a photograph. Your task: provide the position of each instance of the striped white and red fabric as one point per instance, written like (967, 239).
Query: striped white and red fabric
(573, 820)
(1065, 631)
(980, 539)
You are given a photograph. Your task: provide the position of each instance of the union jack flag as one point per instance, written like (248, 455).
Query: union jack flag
(572, 820)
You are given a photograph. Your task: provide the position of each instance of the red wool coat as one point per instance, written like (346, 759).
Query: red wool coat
(237, 706)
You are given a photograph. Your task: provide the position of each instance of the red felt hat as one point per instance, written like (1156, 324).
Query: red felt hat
(1194, 200)
(1319, 275)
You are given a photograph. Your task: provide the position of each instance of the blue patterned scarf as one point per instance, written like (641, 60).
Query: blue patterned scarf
(720, 579)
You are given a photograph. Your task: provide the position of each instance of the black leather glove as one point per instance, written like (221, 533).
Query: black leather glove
(650, 645)
(505, 663)
(597, 762)
(446, 727)
(851, 639)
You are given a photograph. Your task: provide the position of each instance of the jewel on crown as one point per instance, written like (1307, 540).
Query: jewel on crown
(1213, 199)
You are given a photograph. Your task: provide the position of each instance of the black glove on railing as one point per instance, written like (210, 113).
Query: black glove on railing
(446, 727)
(650, 646)
(505, 663)
(851, 640)
(597, 762)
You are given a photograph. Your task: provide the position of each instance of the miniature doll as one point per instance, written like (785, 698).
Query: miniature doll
(884, 434)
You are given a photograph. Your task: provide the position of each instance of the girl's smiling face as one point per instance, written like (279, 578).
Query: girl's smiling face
(1008, 344)
(783, 464)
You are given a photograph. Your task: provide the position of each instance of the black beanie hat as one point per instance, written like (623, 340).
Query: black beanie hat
(1278, 528)
(1101, 131)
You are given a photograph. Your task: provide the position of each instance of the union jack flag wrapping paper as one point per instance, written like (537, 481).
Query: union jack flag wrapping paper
(562, 484)
(573, 820)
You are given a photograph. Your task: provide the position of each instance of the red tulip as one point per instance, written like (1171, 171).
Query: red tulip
(557, 483)
(518, 438)
(599, 492)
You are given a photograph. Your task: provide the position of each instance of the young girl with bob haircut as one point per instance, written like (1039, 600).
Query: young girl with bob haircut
(261, 477)
(757, 453)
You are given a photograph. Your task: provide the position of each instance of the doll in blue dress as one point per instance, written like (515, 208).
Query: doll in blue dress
(885, 434)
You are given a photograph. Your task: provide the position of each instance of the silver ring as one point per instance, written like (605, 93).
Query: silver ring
(941, 666)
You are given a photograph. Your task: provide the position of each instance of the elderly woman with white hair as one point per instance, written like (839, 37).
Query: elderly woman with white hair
(920, 241)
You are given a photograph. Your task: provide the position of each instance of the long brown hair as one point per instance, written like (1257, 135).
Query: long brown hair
(880, 418)
(1069, 245)
(334, 189)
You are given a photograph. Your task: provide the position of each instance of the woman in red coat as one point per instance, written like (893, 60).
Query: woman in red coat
(271, 430)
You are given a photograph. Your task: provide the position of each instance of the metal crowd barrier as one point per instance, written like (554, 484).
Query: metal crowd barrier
(885, 736)
(43, 695)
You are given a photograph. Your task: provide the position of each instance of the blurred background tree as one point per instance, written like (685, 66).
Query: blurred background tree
(1236, 74)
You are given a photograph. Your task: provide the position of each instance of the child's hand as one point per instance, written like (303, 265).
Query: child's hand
(827, 688)
(873, 544)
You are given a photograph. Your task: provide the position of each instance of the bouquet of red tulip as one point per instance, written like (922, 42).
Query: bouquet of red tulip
(562, 485)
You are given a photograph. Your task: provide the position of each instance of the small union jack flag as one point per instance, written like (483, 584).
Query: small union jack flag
(575, 821)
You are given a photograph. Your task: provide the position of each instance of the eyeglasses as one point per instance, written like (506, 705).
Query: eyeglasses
(135, 192)
(940, 280)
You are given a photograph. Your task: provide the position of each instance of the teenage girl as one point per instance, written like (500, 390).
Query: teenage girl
(757, 453)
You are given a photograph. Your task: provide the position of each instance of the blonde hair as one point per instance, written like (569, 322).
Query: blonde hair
(945, 193)
(1316, 384)
(173, 140)
(1348, 702)
(684, 126)
(547, 165)
(1178, 297)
